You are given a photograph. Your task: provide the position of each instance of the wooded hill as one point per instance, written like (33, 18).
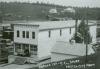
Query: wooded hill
(40, 11)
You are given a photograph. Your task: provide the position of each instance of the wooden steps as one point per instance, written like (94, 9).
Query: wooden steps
(20, 60)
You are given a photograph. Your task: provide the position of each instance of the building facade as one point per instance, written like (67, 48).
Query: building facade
(26, 40)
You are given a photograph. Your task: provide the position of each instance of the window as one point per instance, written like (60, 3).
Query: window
(49, 33)
(70, 30)
(27, 34)
(33, 47)
(23, 34)
(33, 35)
(17, 47)
(18, 33)
(60, 32)
(98, 32)
(25, 46)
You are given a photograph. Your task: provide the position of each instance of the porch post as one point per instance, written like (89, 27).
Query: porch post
(29, 48)
(14, 49)
(21, 47)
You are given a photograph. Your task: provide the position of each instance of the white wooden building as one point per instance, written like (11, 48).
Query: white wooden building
(39, 37)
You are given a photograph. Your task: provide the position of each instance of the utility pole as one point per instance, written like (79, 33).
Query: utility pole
(86, 54)
(76, 22)
(86, 18)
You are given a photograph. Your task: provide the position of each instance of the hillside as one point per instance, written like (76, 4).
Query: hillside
(40, 11)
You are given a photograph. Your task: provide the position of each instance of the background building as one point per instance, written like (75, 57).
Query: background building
(6, 41)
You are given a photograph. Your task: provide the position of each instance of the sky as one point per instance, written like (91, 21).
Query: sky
(79, 3)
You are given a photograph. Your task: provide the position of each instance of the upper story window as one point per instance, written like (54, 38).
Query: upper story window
(70, 30)
(27, 34)
(60, 32)
(18, 33)
(49, 33)
(23, 34)
(98, 32)
(33, 35)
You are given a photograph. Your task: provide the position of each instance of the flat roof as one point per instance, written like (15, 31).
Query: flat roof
(50, 25)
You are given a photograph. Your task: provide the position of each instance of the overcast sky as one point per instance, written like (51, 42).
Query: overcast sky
(81, 3)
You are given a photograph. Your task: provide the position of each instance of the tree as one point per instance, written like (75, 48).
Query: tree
(82, 34)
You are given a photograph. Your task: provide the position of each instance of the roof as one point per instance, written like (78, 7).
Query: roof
(55, 25)
(1, 25)
(77, 49)
(69, 10)
(49, 25)
(53, 10)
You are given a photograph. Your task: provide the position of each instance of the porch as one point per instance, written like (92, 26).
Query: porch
(25, 50)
